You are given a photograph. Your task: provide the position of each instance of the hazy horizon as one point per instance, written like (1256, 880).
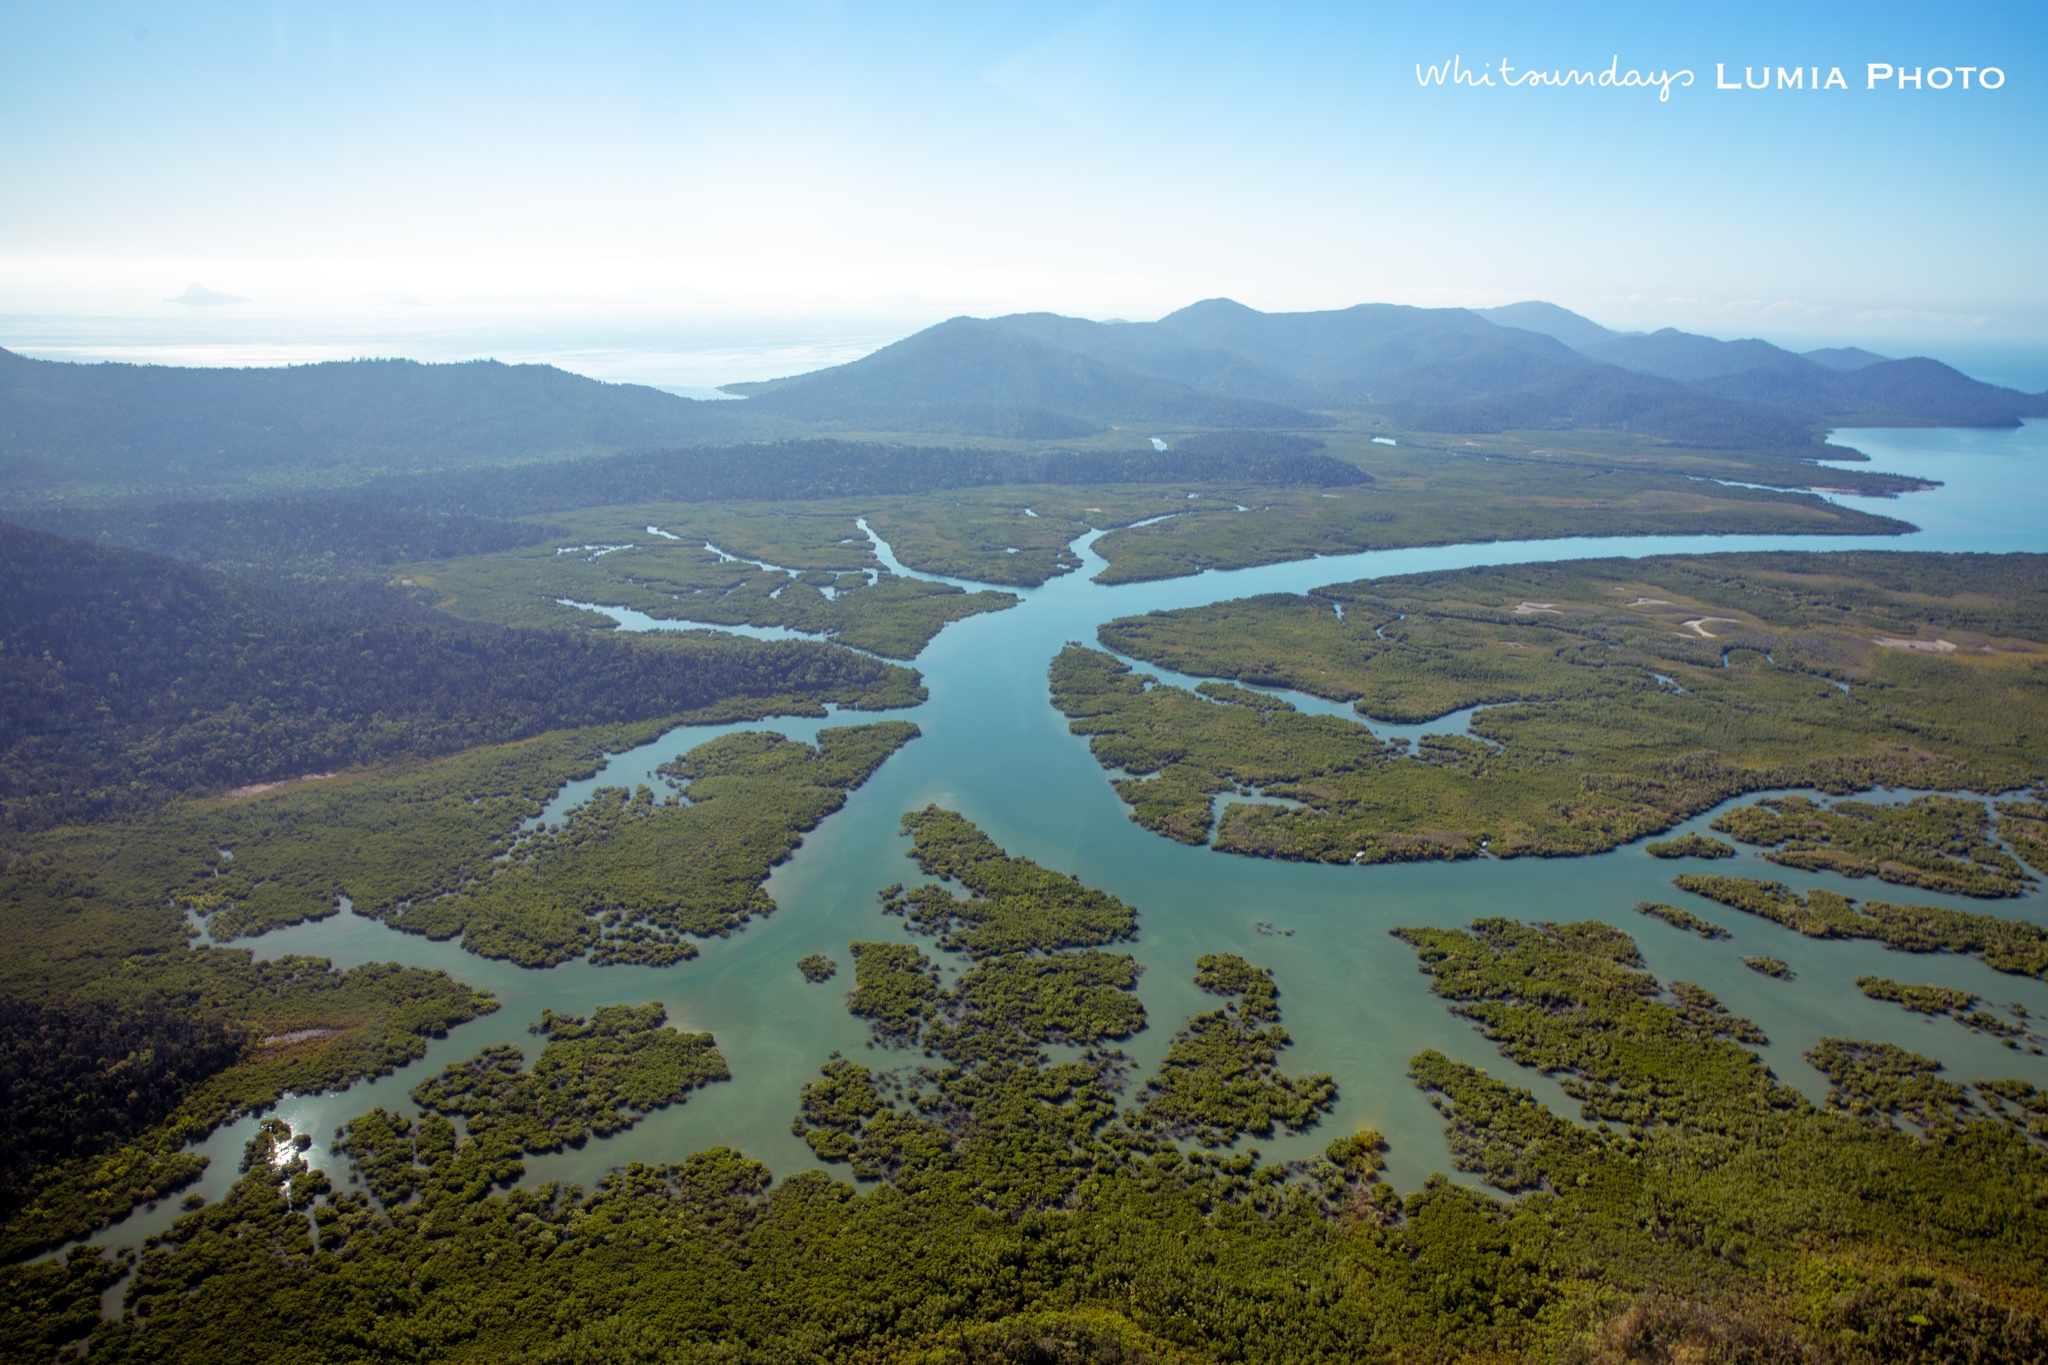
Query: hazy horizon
(691, 356)
(397, 172)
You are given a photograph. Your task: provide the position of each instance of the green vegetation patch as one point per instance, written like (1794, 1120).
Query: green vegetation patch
(2006, 945)
(383, 840)
(1183, 749)
(1219, 1078)
(1773, 967)
(420, 844)
(817, 967)
(1882, 1082)
(1919, 999)
(79, 1077)
(1645, 692)
(2019, 1104)
(1013, 905)
(1446, 497)
(1703, 1131)
(1714, 1214)
(1541, 991)
(296, 1026)
(1679, 918)
(1936, 843)
(1940, 1000)
(1689, 846)
(795, 568)
(1006, 1003)
(1021, 1130)
(626, 877)
(593, 1077)
(127, 680)
(2024, 825)
(895, 987)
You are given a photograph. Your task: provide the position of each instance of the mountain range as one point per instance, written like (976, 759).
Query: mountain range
(1527, 365)
(123, 431)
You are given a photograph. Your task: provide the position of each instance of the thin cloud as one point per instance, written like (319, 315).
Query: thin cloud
(199, 296)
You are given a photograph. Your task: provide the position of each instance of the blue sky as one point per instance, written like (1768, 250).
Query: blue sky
(1107, 160)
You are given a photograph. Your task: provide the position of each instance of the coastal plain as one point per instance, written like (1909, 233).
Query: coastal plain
(820, 995)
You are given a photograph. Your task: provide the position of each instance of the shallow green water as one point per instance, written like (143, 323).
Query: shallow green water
(994, 749)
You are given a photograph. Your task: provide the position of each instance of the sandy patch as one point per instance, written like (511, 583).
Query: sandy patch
(1532, 608)
(299, 1035)
(1917, 646)
(258, 788)
(1698, 625)
(1651, 602)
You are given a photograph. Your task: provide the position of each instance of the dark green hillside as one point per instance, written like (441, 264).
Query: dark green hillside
(1378, 352)
(76, 1078)
(1151, 349)
(1686, 356)
(1917, 392)
(1536, 316)
(401, 519)
(1442, 369)
(1844, 357)
(152, 427)
(973, 376)
(125, 677)
(1845, 385)
(788, 471)
(1221, 364)
(1602, 397)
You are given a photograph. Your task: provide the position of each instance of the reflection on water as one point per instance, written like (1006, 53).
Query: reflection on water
(1351, 996)
(629, 619)
(1457, 722)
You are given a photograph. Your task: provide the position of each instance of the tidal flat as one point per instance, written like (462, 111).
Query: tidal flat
(1357, 1008)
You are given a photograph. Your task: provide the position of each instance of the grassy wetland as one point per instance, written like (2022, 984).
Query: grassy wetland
(1622, 696)
(808, 567)
(1682, 1189)
(1076, 1091)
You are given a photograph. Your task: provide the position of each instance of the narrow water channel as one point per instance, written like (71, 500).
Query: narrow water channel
(994, 749)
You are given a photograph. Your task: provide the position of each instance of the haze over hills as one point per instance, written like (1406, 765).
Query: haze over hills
(127, 431)
(189, 429)
(991, 379)
(1529, 365)
(1667, 351)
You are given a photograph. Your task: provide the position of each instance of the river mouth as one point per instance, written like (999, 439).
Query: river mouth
(994, 749)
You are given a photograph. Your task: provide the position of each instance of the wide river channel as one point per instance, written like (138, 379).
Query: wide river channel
(994, 749)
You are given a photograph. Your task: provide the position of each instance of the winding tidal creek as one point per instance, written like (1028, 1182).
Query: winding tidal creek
(994, 749)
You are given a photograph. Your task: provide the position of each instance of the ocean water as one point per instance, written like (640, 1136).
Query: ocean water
(993, 748)
(690, 356)
(687, 352)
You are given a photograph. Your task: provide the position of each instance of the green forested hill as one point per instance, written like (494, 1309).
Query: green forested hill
(146, 427)
(125, 677)
(976, 376)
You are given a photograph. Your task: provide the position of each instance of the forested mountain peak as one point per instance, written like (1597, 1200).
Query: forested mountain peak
(1530, 365)
(1534, 315)
(989, 378)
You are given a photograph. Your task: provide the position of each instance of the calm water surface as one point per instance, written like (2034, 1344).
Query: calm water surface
(994, 749)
